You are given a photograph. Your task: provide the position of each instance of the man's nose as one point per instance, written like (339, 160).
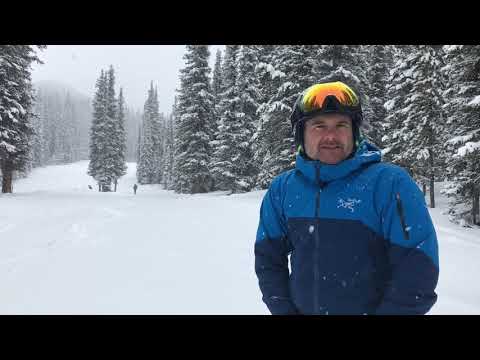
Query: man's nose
(330, 133)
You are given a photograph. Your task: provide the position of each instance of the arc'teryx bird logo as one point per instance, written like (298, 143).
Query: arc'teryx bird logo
(348, 204)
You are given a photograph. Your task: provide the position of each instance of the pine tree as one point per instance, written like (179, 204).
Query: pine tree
(39, 145)
(138, 144)
(66, 131)
(346, 63)
(64, 117)
(168, 151)
(217, 85)
(104, 143)
(463, 111)
(98, 132)
(225, 151)
(195, 123)
(169, 165)
(267, 82)
(246, 117)
(157, 121)
(416, 119)
(146, 168)
(16, 99)
(400, 86)
(294, 71)
(120, 166)
(379, 65)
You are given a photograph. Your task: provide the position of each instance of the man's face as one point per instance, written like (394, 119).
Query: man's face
(329, 138)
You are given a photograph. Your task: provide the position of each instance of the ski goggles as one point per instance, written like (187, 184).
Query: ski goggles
(313, 99)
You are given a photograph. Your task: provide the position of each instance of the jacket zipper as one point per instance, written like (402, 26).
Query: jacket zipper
(316, 275)
(402, 216)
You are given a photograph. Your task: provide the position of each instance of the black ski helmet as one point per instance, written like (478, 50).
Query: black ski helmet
(331, 104)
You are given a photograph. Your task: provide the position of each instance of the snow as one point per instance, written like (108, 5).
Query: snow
(423, 154)
(8, 147)
(65, 249)
(242, 184)
(460, 139)
(270, 69)
(468, 148)
(389, 105)
(450, 48)
(475, 101)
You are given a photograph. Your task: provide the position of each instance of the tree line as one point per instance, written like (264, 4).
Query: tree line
(229, 128)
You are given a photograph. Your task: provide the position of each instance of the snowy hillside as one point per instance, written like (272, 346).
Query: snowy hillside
(66, 249)
(60, 87)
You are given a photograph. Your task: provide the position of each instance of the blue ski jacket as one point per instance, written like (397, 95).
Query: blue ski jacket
(359, 237)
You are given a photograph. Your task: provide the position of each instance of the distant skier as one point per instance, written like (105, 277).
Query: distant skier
(135, 187)
(90, 187)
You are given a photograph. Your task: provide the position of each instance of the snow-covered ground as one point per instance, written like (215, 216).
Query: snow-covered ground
(66, 249)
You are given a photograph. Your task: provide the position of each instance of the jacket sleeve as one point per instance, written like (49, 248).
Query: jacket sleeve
(271, 250)
(412, 248)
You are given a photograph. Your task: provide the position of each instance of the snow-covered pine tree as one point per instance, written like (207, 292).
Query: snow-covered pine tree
(463, 109)
(168, 153)
(146, 170)
(379, 65)
(43, 108)
(65, 117)
(194, 124)
(268, 80)
(416, 122)
(233, 165)
(137, 145)
(217, 86)
(399, 87)
(170, 173)
(66, 131)
(346, 63)
(294, 71)
(16, 99)
(103, 143)
(249, 94)
(98, 131)
(39, 144)
(57, 125)
(111, 142)
(120, 138)
(265, 72)
(158, 123)
(224, 150)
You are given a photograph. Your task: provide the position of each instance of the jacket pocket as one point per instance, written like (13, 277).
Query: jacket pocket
(401, 214)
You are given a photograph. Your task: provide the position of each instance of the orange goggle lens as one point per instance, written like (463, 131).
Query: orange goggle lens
(315, 95)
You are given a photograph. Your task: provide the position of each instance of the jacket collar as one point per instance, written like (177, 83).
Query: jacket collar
(366, 154)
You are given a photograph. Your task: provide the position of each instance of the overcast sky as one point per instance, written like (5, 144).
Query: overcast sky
(135, 66)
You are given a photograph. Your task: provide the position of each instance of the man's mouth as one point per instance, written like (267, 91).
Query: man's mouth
(330, 147)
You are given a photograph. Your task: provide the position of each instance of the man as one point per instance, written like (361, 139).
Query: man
(135, 187)
(358, 232)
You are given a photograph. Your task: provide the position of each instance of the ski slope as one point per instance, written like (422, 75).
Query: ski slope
(66, 249)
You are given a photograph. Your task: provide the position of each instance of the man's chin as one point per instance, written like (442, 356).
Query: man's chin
(331, 157)
(330, 161)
